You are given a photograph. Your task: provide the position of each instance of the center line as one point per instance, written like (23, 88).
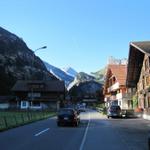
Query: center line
(41, 132)
(85, 134)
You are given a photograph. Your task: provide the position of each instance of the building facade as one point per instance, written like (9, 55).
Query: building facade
(39, 94)
(115, 90)
(138, 74)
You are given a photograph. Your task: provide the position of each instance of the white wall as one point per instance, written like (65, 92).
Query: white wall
(4, 105)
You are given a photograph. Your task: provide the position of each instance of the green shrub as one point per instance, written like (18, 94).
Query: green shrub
(135, 101)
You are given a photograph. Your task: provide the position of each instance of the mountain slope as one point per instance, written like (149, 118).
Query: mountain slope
(80, 77)
(17, 61)
(70, 71)
(86, 90)
(99, 75)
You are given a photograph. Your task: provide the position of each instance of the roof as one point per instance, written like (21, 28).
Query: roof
(49, 85)
(143, 46)
(137, 51)
(119, 71)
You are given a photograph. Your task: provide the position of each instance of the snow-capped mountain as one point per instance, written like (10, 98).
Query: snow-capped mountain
(60, 74)
(70, 71)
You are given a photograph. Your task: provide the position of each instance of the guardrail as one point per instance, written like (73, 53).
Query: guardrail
(14, 119)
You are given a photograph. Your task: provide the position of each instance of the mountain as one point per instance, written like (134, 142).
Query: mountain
(85, 86)
(17, 61)
(60, 74)
(86, 90)
(80, 77)
(99, 75)
(70, 71)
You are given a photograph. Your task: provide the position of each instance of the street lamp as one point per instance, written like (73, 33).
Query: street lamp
(44, 47)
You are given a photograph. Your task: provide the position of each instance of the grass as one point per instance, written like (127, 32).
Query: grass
(11, 119)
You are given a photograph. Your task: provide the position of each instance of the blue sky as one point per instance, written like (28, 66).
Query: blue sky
(78, 33)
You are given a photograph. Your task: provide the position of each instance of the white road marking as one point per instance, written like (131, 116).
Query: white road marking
(41, 132)
(85, 134)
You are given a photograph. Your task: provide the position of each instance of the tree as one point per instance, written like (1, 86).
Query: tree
(135, 101)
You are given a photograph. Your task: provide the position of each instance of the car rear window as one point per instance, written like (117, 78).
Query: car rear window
(65, 111)
(115, 108)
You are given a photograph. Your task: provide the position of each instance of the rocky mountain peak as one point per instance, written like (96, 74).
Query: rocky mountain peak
(70, 71)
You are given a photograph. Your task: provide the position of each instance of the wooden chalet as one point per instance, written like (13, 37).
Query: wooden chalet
(39, 94)
(115, 91)
(138, 74)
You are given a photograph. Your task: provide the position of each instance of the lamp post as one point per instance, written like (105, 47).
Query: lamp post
(44, 47)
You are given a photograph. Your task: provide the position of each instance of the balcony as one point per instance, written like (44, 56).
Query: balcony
(124, 96)
(113, 87)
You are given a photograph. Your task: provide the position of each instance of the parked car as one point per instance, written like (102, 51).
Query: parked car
(68, 116)
(114, 111)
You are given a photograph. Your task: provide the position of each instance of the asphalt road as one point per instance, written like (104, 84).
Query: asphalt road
(95, 132)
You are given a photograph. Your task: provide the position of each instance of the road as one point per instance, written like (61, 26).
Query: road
(95, 132)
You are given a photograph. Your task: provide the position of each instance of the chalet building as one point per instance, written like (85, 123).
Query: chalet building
(138, 74)
(115, 91)
(38, 94)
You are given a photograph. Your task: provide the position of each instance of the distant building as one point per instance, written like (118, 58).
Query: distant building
(115, 61)
(39, 94)
(115, 91)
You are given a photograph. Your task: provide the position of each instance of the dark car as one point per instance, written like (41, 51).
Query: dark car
(68, 116)
(114, 111)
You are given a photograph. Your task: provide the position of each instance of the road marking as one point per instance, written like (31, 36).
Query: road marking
(85, 134)
(41, 132)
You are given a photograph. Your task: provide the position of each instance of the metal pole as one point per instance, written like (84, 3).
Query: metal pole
(44, 47)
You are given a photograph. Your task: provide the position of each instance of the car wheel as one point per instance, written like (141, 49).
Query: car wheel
(76, 124)
(108, 117)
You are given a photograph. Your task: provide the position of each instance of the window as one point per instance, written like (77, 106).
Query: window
(34, 94)
(148, 101)
(147, 63)
(119, 103)
(145, 101)
(147, 80)
(36, 86)
(113, 80)
(24, 104)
